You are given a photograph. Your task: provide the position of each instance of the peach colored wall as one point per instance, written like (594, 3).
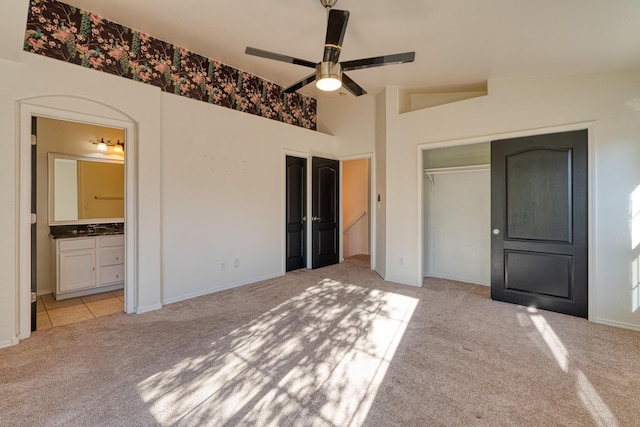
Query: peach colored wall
(355, 200)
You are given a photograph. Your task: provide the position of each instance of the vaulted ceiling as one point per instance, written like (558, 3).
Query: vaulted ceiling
(457, 42)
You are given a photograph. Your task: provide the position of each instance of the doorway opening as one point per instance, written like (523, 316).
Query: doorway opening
(457, 213)
(356, 202)
(79, 245)
(113, 250)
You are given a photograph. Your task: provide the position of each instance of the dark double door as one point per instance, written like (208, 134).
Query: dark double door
(325, 197)
(539, 222)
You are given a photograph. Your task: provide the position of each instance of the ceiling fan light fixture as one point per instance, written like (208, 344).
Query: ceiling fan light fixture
(329, 76)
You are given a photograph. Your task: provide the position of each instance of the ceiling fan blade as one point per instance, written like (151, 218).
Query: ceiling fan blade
(352, 86)
(279, 57)
(300, 84)
(336, 28)
(378, 61)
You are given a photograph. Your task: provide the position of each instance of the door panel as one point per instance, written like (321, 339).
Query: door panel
(296, 189)
(539, 273)
(325, 212)
(539, 218)
(544, 214)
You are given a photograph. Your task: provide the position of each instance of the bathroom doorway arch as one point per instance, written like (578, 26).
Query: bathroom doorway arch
(80, 110)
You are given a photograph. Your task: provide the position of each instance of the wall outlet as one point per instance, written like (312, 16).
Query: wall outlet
(236, 263)
(222, 266)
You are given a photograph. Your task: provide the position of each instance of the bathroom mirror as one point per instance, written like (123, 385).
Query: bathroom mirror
(85, 190)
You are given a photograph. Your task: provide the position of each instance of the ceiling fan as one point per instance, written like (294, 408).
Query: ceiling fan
(329, 74)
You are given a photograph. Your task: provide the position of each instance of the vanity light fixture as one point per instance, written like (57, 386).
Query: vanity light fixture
(118, 146)
(102, 146)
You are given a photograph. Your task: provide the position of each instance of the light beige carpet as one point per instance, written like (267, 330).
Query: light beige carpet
(362, 260)
(329, 347)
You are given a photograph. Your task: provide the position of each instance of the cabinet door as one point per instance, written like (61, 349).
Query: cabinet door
(77, 270)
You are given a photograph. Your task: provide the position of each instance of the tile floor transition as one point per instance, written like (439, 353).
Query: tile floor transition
(52, 313)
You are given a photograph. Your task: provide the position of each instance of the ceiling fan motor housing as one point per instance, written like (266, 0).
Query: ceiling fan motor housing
(327, 69)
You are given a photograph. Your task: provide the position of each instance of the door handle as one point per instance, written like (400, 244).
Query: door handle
(315, 218)
(496, 231)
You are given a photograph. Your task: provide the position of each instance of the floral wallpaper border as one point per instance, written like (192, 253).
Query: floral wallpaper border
(60, 31)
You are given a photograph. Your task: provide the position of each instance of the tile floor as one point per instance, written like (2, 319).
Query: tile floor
(52, 313)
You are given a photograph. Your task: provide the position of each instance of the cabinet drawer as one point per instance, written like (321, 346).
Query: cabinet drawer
(112, 256)
(112, 274)
(77, 243)
(106, 241)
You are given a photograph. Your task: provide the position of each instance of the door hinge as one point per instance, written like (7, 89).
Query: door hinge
(34, 140)
(34, 297)
(33, 218)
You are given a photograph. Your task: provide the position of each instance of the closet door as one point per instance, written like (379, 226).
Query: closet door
(296, 189)
(539, 222)
(325, 208)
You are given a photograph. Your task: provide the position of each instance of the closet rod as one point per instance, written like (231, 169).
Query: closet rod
(453, 169)
(429, 173)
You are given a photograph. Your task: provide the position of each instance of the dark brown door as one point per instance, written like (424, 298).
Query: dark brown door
(539, 220)
(325, 210)
(34, 229)
(296, 184)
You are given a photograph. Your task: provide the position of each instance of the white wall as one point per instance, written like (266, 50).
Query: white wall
(223, 195)
(14, 13)
(48, 82)
(380, 179)
(352, 121)
(610, 101)
(457, 217)
(191, 138)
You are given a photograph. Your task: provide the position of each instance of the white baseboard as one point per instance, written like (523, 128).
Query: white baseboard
(224, 288)
(10, 342)
(617, 324)
(141, 310)
(457, 279)
(402, 282)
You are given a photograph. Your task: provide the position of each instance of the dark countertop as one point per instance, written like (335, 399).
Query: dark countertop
(90, 230)
(71, 234)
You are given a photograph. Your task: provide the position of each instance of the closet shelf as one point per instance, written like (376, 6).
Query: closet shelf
(429, 173)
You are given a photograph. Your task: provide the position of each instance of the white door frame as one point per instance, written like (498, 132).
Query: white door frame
(371, 212)
(26, 111)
